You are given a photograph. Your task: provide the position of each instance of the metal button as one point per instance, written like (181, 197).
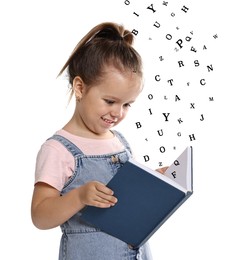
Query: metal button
(114, 158)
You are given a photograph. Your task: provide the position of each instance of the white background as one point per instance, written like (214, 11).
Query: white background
(36, 39)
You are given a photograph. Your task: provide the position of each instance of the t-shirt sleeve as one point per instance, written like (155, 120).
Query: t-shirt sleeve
(54, 165)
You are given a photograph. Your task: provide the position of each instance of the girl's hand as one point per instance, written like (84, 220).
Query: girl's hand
(162, 170)
(96, 194)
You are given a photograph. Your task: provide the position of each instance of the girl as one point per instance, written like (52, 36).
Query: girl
(75, 164)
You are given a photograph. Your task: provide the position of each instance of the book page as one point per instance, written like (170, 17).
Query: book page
(181, 169)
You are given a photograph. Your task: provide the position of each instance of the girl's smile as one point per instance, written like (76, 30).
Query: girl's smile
(109, 123)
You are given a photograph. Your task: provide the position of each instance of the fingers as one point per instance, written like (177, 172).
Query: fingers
(162, 170)
(103, 201)
(97, 194)
(104, 196)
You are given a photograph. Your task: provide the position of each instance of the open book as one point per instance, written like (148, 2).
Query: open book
(146, 199)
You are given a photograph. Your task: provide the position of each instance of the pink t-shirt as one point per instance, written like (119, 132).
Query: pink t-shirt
(55, 164)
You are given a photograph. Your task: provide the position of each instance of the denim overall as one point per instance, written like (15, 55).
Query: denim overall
(81, 241)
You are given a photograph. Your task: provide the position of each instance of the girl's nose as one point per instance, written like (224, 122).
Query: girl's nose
(117, 112)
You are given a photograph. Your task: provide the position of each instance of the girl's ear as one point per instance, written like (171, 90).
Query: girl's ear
(78, 87)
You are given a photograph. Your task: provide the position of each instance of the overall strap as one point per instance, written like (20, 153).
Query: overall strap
(71, 147)
(123, 140)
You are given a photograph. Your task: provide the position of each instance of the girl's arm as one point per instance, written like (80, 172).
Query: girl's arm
(49, 209)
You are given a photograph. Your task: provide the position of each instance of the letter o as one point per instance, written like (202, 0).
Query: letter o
(169, 37)
(162, 149)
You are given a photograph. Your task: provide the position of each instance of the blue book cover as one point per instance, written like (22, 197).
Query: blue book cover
(146, 199)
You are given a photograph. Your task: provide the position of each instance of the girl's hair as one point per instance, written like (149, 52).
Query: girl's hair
(106, 44)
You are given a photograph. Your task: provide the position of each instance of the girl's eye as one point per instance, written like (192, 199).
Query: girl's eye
(110, 102)
(127, 105)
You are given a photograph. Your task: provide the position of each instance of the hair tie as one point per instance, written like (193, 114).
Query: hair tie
(109, 33)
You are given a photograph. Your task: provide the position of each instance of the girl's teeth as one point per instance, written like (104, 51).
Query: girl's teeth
(108, 121)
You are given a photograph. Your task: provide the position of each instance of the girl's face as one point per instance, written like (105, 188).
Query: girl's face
(106, 104)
